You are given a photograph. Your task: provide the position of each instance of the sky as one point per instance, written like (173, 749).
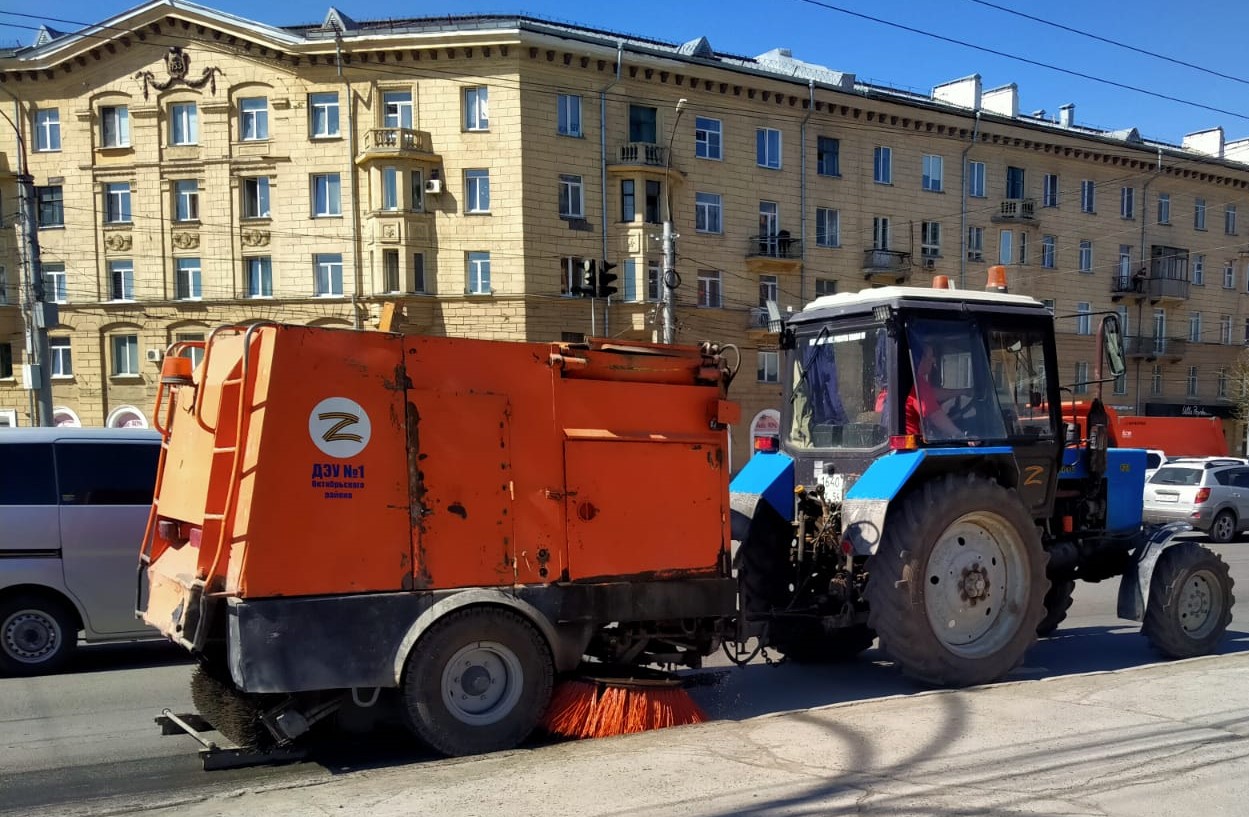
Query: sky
(1207, 34)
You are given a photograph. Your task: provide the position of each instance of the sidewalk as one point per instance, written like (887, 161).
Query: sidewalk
(1164, 739)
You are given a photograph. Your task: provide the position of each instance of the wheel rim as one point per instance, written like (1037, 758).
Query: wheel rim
(1223, 527)
(1200, 604)
(976, 585)
(30, 636)
(482, 683)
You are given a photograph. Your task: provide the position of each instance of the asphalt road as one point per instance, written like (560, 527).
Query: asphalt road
(86, 743)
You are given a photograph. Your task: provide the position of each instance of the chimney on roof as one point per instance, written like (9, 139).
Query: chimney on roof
(1038, 114)
(1003, 100)
(1067, 115)
(963, 92)
(1210, 142)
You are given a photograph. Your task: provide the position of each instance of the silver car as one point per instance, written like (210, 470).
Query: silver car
(73, 507)
(1211, 494)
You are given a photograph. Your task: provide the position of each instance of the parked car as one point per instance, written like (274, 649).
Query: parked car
(1154, 459)
(1211, 493)
(73, 507)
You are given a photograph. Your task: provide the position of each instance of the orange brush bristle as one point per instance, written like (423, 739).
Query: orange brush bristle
(602, 707)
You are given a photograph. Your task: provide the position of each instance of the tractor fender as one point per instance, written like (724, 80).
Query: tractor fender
(767, 480)
(566, 653)
(866, 504)
(1134, 586)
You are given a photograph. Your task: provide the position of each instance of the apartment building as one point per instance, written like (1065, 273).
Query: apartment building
(193, 168)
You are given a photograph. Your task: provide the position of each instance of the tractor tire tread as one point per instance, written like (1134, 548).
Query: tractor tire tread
(1160, 625)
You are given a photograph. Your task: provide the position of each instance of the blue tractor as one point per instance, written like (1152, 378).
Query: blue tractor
(926, 488)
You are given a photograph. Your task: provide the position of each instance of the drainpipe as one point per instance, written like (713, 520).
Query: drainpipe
(962, 210)
(602, 147)
(1140, 308)
(802, 195)
(357, 322)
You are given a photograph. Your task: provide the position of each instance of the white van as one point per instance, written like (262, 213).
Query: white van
(73, 507)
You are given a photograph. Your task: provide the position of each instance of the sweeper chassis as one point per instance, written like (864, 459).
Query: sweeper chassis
(215, 756)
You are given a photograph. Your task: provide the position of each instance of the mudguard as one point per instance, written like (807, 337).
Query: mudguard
(761, 498)
(1134, 586)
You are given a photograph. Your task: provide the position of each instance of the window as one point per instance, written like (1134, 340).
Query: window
(880, 232)
(390, 271)
(1229, 219)
(1221, 383)
(1194, 327)
(1005, 246)
(571, 197)
(117, 203)
(1023, 247)
(186, 200)
(1229, 275)
(397, 109)
(975, 243)
(1049, 251)
(707, 213)
(115, 126)
(326, 195)
(709, 288)
(187, 284)
(1088, 196)
(1122, 312)
(1121, 384)
(571, 272)
(253, 118)
(930, 246)
(121, 279)
(769, 367)
(259, 276)
(1127, 202)
(652, 281)
(1199, 214)
(1081, 386)
(934, 169)
(416, 189)
(828, 156)
(1016, 187)
(55, 285)
(256, 197)
(825, 286)
(653, 191)
(1164, 208)
(1155, 381)
(130, 470)
(479, 273)
(629, 280)
(477, 191)
(643, 124)
(975, 179)
(4, 285)
(882, 165)
(1086, 256)
(47, 129)
(50, 206)
(1124, 273)
(628, 200)
(6, 363)
(827, 227)
(476, 108)
(1049, 190)
(323, 115)
(62, 357)
(183, 124)
(769, 289)
(327, 271)
(390, 188)
(125, 355)
(419, 284)
(1199, 270)
(568, 114)
(1191, 384)
(768, 148)
(196, 354)
(708, 138)
(1225, 330)
(1084, 320)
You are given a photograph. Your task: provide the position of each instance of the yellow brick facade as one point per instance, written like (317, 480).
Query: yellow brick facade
(400, 241)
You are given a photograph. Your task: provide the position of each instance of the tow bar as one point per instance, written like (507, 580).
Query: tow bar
(214, 756)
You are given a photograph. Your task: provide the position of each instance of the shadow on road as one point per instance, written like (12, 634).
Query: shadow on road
(131, 655)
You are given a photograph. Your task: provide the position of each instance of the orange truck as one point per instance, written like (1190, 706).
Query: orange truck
(1177, 436)
(345, 515)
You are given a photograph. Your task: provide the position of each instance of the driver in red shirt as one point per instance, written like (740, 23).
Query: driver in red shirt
(923, 405)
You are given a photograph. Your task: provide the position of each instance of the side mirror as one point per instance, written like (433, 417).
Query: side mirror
(1112, 344)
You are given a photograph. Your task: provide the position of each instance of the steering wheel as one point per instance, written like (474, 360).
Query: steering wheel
(960, 409)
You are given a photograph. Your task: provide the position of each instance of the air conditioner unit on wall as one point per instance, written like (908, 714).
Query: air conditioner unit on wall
(433, 186)
(155, 355)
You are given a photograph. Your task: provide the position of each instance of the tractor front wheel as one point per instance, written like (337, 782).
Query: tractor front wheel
(957, 585)
(1190, 601)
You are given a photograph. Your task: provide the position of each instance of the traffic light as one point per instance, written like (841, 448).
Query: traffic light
(587, 282)
(605, 279)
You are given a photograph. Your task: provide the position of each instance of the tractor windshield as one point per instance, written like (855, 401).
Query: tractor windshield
(838, 394)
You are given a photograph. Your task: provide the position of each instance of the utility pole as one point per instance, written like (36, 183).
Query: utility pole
(669, 279)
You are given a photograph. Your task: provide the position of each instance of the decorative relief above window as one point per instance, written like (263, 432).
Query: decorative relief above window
(177, 65)
(185, 240)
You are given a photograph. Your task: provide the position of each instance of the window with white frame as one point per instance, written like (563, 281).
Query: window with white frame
(323, 115)
(975, 243)
(709, 289)
(1199, 270)
(568, 114)
(1225, 330)
(55, 284)
(1084, 320)
(390, 188)
(882, 165)
(259, 276)
(1194, 327)
(1199, 214)
(571, 197)
(1088, 196)
(827, 227)
(828, 156)
(327, 270)
(930, 241)
(880, 232)
(186, 200)
(117, 203)
(1190, 386)
(769, 289)
(187, 279)
(47, 129)
(571, 274)
(194, 353)
(1155, 381)
(769, 369)
(1122, 312)
(125, 355)
(114, 126)
(1164, 208)
(477, 191)
(477, 108)
(62, 357)
(976, 179)
(825, 286)
(478, 273)
(397, 109)
(326, 195)
(768, 148)
(1127, 202)
(1081, 386)
(933, 173)
(708, 138)
(253, 118)
(1086, 256)
(1229, 219)
(1005, 246)
(1229, 275)
(183, 124)
(708, 212)
(1125, 267)
(121, 279)
(255, 197)
(1049, 190)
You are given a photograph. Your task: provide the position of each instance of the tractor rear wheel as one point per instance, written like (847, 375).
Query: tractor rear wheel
(1057, 603)
(808, 643)
(1190, 601)
(479, 680)
(956, 588)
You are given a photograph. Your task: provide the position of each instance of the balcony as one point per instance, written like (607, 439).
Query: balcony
(396, 142)
(886, 266)
(647, 154)
(1162, 290)
(1014, 211)
(1150, 348)
(757, 321)
(774, 252)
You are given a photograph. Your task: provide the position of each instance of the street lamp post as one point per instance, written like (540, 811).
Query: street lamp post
(671, 280)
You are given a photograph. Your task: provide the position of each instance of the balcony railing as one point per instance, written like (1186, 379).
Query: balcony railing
(758, 318)
(399, 139)
(886, 261)
(1016, 210)
(643, 153)
(779, 245)
(1167, 288)
(1152, 348)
